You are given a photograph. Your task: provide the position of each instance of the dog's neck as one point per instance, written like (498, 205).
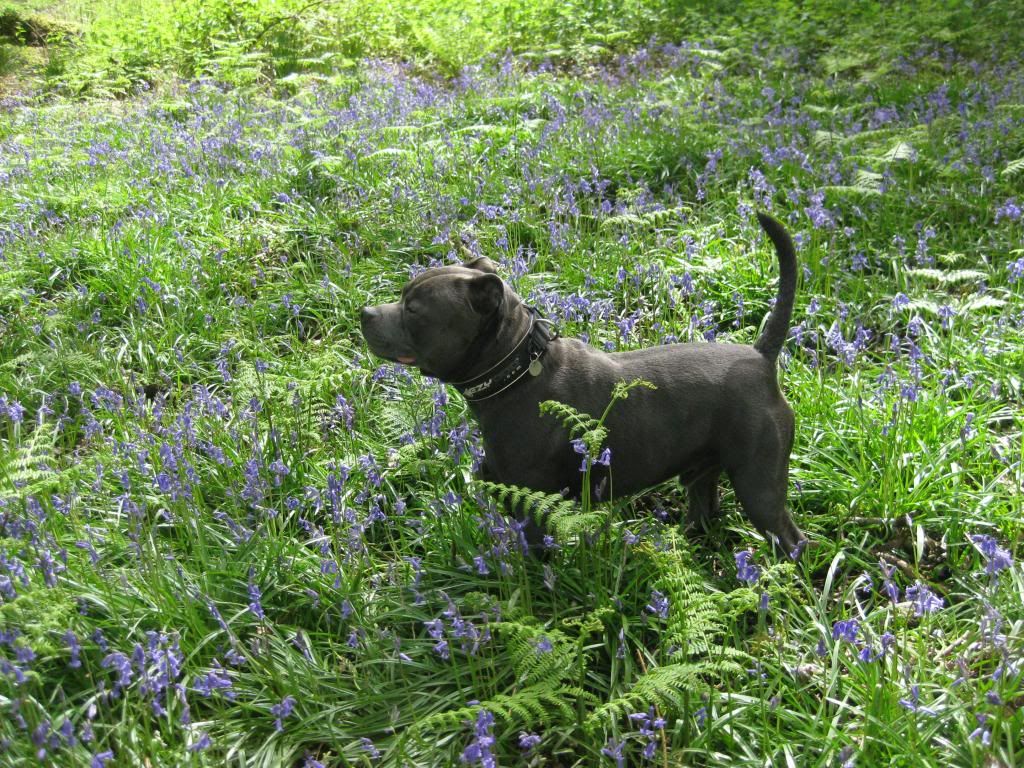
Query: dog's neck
(521, 344)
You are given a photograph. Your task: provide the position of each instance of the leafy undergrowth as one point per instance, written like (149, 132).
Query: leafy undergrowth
(228, 536)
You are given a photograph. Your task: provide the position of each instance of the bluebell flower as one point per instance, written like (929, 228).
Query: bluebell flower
(528, 741)
(846, 629)
(69, 637)
(924, 600)
(281, 711)
(368, 746)
(745, 570)
(613, 749)
(914, 702)
(658, 605)
(982, 733)
(478, 752)
(255, 596)
(996, 558)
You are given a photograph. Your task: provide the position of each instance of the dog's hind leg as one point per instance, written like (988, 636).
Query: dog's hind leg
(702, 494)
(761, 491)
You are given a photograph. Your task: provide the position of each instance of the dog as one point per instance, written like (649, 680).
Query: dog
(715, 407)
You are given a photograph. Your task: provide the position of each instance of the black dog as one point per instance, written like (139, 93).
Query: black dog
(717, 407)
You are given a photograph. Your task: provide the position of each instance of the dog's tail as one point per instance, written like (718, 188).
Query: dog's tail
(776, 328)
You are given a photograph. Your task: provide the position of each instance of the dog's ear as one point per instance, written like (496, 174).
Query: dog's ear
(481, 264)
(486, 293)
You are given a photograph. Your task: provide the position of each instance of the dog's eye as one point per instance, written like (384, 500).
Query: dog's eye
(412, 309)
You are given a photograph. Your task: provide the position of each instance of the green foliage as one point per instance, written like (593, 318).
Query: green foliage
(565, 518)
(197, 450)
(246, 41)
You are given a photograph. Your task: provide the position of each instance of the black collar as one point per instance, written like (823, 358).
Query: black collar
(523, 359)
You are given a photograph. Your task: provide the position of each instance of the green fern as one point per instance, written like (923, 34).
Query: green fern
(696, 627)
(697, 619)
(29, 470)
(1013, 167)
(562, 516)
(530, 707)
(663, 687)
(533, 665)
(576, 422)
(657, 218)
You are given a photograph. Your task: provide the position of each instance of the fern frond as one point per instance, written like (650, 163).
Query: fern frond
(1013, 168)
(576, 422)
(945, 277)
(568, 523)
(662, 686)
(29, 469)
(560, 515)
(517, 499)
(525, 644)
(530, 707)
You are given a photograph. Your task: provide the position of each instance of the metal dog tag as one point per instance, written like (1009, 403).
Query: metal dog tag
(536, 368)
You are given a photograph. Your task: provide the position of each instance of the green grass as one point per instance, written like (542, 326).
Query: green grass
(207, 481)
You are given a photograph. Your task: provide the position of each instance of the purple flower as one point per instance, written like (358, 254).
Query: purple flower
(745, 570)
(368, 746)
(658, 605)
(581, 448)
(890, 589)
(543, 644)
(798, 550)
(925, 601)
(122, 665)
(887, 639)
(478, 752)
(15, 410)
(981, 733)
(255, 596)
(996, 558)
(201, 743)
(846, 629)
(528, 741)
(946, 315)
(649, 726)
(913, 703)
(1009, 210)
(613, 749)
(101, 759)
(1016, 270)
(216, 680)
(282, 710)
(69, 637)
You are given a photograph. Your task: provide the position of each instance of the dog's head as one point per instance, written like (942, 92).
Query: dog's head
(443, 322)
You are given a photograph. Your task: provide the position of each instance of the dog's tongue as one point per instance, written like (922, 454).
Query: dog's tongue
(407, 360)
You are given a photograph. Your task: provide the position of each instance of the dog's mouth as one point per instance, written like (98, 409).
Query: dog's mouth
(406, 360)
